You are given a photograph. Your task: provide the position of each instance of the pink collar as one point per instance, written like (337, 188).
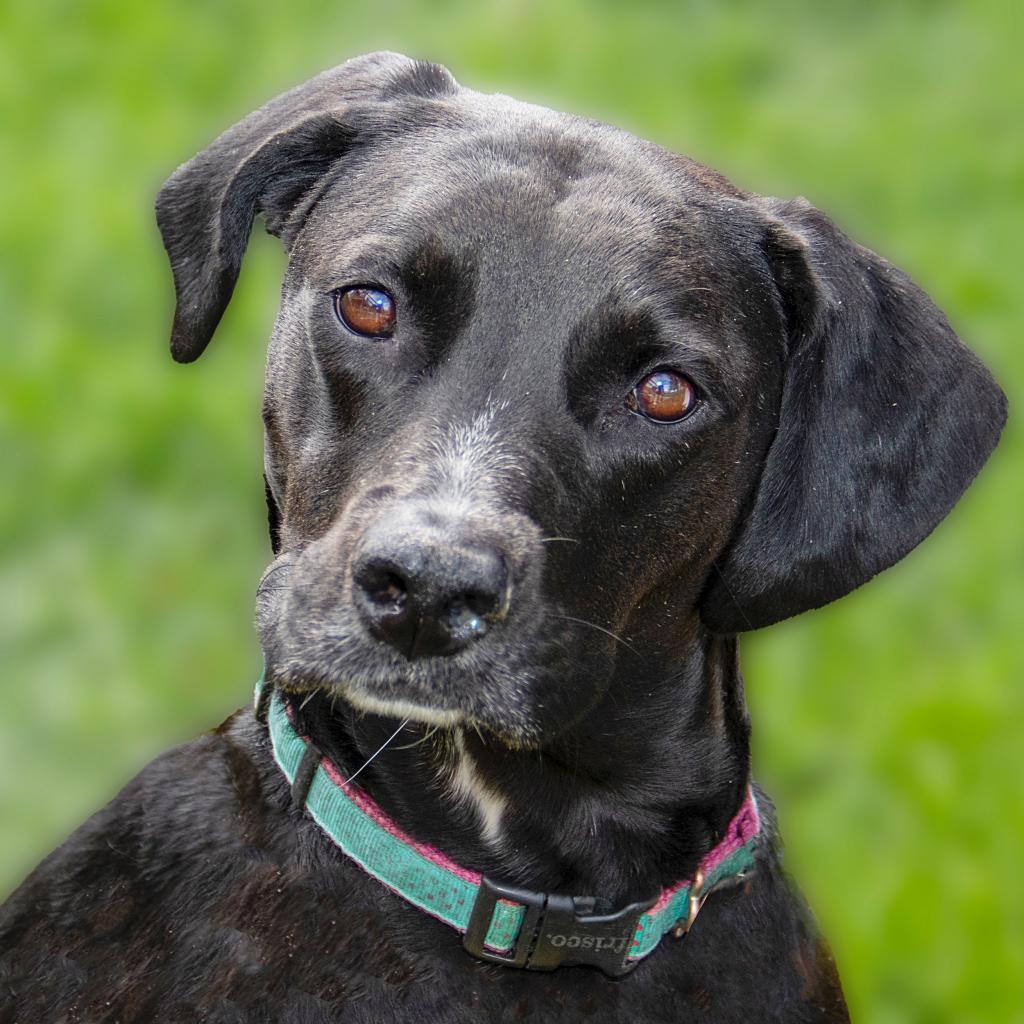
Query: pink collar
(501, 924)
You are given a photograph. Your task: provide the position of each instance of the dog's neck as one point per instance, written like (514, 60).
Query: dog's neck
(626, 801)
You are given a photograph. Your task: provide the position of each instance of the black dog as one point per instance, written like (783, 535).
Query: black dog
(551, 415)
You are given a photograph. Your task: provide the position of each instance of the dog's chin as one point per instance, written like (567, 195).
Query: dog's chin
(511, 730)
(389, 707)
(514, 733)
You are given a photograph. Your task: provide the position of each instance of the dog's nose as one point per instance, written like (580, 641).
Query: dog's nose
(425, 591)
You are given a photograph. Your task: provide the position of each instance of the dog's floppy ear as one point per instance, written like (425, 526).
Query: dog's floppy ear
(264, 164)
(885, 419)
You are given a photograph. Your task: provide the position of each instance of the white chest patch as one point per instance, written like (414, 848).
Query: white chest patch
(467, 786)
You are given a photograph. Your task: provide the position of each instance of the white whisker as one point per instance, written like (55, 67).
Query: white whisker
(600, 629)
(429, 734)
(379, 750)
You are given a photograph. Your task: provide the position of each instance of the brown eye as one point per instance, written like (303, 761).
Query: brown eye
(664, 396)
(367, 311)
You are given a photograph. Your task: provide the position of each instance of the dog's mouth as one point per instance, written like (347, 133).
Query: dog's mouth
(314, 642)
(492, 704)
(419, 607)
(519, 692)
(358, 696)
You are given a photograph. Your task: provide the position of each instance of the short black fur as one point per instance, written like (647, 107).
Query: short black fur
(592, 737)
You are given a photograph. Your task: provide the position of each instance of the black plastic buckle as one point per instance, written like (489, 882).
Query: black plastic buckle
(556, 931)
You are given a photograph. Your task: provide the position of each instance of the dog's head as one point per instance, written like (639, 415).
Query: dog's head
(545, 401)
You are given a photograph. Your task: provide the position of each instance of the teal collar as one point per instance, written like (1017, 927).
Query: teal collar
(500, 924)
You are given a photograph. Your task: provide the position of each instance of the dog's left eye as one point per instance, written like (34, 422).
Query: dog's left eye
(664, 396)
(366, 311)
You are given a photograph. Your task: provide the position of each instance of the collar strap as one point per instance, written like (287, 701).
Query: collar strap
(501, 924)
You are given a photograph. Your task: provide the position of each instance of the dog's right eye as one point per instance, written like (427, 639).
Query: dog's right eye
(366, 311)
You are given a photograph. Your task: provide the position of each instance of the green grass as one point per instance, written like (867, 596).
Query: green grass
(889, 727)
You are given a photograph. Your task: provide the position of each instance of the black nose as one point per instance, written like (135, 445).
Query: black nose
(425, 590)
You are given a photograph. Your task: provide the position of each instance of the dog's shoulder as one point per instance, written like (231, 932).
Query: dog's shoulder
(143, 877)
(186, 805)
(200, 893)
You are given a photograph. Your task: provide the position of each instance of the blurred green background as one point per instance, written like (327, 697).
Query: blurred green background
(890, 728)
